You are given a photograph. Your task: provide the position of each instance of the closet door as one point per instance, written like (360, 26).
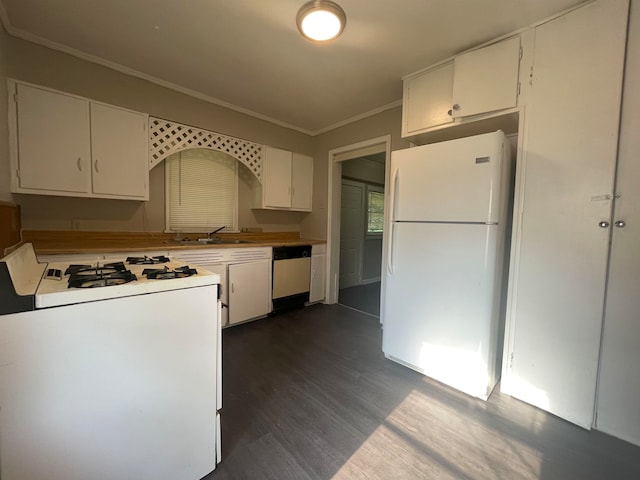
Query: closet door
(618, 411)
(562, 230)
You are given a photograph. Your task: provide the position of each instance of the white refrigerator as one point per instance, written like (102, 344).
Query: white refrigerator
(443, 291)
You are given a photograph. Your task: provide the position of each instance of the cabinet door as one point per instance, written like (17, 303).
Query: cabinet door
(277, 178)
(486, 79)
(119, 152)
(301, 182)
(427, 99)
(619, 384)
(560, 260)
(249, 290)
(316, 293)
(53, 141)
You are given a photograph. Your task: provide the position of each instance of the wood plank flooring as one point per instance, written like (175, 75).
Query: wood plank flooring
(365, 298)
(308, 394)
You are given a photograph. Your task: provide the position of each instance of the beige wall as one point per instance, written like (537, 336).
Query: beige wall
(5, 194)
(32, 63)
(36, 64)
(388, 122)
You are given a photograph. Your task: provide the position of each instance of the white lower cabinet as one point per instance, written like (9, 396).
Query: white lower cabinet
(563, 213)
(245, 278)
(249, 290)
(318, 267)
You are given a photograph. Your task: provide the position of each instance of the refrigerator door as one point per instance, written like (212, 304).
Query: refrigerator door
(456, 181)
(442, 303)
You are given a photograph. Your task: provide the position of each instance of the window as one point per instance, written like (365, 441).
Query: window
(375, 210)
(201, 191)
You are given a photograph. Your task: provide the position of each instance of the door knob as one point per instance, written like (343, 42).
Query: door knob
(620, 224)
(603, 224)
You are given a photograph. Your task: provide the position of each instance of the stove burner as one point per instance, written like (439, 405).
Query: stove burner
(95, 269)
(165, 273)
(101, 280)
(91, 276)
(147, 260)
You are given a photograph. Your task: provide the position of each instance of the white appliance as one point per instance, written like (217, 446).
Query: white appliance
(442, 312)
(115, 381)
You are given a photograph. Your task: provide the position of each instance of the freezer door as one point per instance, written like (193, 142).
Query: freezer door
(442, 303)
(455, 181)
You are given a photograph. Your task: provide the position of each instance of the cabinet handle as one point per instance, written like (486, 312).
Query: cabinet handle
(620, 224)
(603, 224)
(79, 163)
(96, 166)
(233, 288)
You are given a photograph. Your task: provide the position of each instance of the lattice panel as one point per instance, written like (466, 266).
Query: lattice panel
(167, 138)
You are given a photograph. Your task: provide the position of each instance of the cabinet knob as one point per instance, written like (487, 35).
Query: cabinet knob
(450, 112)
(456, 106)
(620, 224)
(603, 224)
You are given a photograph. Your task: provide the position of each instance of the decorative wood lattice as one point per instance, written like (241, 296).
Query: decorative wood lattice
(167, 138)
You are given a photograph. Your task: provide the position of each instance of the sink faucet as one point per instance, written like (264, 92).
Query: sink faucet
(215, 231)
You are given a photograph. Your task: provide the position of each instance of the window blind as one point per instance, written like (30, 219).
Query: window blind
(201, 190)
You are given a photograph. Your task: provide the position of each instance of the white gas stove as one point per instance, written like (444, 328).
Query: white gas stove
(57, 283)
(107, 370)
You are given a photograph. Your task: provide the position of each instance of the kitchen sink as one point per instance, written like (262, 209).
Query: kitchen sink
(211, 241)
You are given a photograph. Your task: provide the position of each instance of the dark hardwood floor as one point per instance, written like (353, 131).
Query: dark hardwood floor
(365, 298)
(308, 394)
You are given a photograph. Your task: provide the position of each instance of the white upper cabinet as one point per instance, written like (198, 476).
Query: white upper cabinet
(67, 145)
(119, 151)
(486, 80)
(287, 181)
(427, 99)
(301, 182)
(53, 143)
(473, 83)
(277, 178)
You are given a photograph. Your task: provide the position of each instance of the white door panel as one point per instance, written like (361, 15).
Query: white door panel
(570, 151)
(351, 233)
(458, 181)
(619, 382)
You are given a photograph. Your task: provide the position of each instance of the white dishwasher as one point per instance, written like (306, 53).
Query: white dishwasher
(291, 276)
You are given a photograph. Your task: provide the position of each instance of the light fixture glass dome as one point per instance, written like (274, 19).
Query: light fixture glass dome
(321, 20)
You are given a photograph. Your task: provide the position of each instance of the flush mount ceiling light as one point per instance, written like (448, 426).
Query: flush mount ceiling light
(321, 20)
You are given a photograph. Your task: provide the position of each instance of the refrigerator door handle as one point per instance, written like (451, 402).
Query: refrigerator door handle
(394, 188)
(390, 252)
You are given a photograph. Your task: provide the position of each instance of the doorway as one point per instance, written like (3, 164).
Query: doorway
(355, 243)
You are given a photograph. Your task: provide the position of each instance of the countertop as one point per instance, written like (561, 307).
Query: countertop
(49, 242)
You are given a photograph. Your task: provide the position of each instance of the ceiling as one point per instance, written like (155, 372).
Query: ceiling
(249, 56)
